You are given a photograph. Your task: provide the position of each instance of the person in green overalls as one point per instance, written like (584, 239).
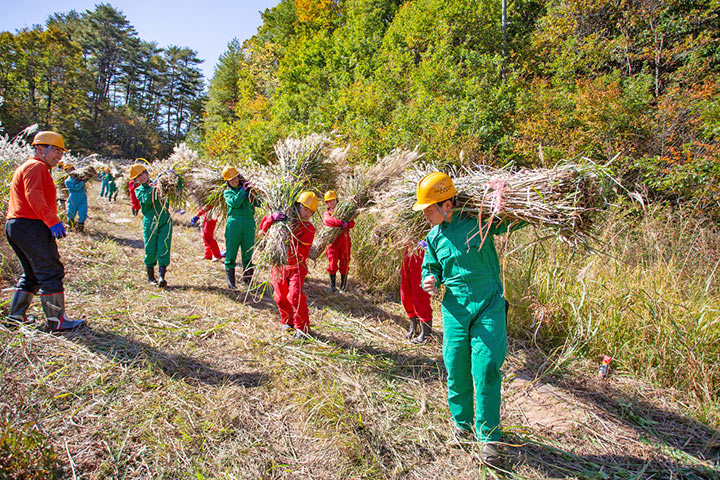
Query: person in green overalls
(157, 225)
(241, 201)
(461, 254)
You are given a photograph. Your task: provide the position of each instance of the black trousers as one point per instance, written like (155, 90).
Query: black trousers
(37, 251)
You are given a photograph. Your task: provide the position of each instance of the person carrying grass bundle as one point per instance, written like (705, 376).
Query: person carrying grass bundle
(414, 299)
(157, 225)
(32, 228)
(104, 178)
(240, 227)
(212, 249)
(338, 252)
(473, 309)
(77, 199)
(134, 203)
(112, 192)
(288, 280)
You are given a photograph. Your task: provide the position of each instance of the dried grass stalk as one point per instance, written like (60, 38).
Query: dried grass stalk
(169, 174)
(360, 189)
(301, 162)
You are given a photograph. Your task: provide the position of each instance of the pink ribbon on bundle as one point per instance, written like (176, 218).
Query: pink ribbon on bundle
(498, 187)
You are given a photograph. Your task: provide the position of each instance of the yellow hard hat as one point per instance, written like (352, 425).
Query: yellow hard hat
(433, 188)
(49, 138)
(309, 199)
(135, 170)
(229, 173)
(330, 195)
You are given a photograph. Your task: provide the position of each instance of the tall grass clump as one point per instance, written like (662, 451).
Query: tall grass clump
(652, 302)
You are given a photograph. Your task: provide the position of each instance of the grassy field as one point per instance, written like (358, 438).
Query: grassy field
(197, 381)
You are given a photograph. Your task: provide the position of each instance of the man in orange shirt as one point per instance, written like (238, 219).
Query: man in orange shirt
(31, 229)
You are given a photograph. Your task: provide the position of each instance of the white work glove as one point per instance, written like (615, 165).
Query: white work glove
(429, 284)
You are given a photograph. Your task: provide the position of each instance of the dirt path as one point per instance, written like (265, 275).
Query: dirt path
(197, 381)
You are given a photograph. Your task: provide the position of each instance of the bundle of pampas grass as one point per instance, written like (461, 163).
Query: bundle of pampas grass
(302, 162)
(563, 199)
(169, 174)
(360, 188)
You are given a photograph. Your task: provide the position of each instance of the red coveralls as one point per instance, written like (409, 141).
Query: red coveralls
(288, 280)
(208, 235)
(415, 300)
(134, 202)
(339, 250)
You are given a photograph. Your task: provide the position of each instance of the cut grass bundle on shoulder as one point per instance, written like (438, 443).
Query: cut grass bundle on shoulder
(302, 162)
(169, 174)
(563, 199)
(360, 189)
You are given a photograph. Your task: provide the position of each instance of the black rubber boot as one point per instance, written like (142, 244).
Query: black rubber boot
(151, 275)
(81, 227)
(425, 333)
(343, 282)
(18, 307)
(333, 278)
(54, 308)
(161, 276)
(134, 212)
(413, 328)
(230, 277)
(248, 275)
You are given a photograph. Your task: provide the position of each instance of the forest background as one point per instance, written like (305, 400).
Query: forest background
(631, 80)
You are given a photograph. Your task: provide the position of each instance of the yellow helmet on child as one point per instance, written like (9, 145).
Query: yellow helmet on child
(308, 199)
(135, 170)
(49, 138)
(433, 188)
(229, 173)
(330, 195)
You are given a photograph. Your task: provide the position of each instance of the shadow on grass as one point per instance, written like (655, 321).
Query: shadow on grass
(137, 354)
(678, 436)
(250, 298)
(355, 303)
(125, 242)
(551, 462)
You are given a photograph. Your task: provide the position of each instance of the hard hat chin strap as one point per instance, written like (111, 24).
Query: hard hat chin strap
(444, 214)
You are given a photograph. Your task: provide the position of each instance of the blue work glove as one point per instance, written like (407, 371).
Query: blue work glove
(58, 230)
(222, 253)
(278, 216)
(194, 220)
(181, 212)
(423, 244)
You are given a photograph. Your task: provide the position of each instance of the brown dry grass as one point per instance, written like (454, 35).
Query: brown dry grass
(191, 382)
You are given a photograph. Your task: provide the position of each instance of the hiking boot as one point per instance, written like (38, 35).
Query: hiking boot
(151, 275)
(230, 278)
(425, 333)
(490, 454)
(333, 278)
(81, 227)
(54, 308)
(161, 276)
(18, 307)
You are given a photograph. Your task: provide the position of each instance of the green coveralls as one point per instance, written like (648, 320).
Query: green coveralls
(157, 226)
(240, 227)
(473, 312)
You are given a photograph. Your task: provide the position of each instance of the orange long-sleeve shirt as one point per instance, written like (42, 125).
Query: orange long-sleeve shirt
(33, 194)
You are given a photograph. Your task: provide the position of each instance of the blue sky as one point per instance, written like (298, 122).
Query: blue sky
(205, 26)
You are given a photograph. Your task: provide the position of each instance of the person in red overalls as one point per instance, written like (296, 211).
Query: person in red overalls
(288, 280)
(134, 202)
(212, 250)
(338, 252)
(415, 300)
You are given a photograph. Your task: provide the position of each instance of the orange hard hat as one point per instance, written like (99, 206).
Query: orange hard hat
(135, 170)
(229, 173)
(49, 138)
(433, 188)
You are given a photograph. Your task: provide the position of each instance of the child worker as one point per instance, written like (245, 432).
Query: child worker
(104, 176)
(414, 299)
(461, 254)
(134, 204)
(77, 199)
(157, 225)
(240, 227)
(338, 252)
(288, 280)
(112, 192)
(212, 249)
